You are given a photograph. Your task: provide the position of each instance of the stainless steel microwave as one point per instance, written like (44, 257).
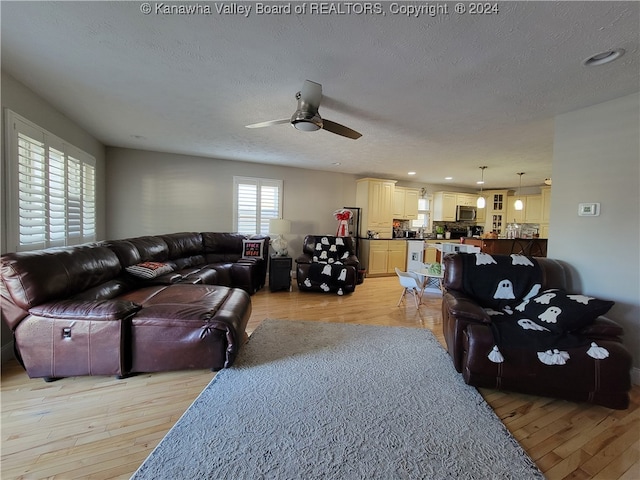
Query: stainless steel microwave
(464, 213)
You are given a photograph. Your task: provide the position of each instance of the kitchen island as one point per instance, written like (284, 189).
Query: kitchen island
(531, 247)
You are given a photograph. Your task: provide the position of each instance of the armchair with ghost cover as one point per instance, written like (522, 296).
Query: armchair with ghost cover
(327, 264)
(511, 323)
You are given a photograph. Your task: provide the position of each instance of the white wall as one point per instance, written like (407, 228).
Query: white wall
(154, 193)
(23, 101)
(597, 159)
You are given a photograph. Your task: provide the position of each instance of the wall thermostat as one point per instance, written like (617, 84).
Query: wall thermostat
(588, 209)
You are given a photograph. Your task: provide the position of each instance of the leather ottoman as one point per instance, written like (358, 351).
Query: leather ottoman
(187, 327)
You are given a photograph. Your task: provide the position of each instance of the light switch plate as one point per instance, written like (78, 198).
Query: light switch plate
(588, 209)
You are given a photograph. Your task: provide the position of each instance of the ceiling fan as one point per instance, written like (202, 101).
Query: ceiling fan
(307, 118)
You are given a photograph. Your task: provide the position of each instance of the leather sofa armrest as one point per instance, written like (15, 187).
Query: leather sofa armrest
(602, 327)
(462, 306)
(89, 310)
(304, 258)
(352, 260)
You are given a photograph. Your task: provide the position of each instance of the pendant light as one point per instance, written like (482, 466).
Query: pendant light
(480, 203)
(519, 205)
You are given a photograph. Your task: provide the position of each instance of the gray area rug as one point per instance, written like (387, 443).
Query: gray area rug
(309, 400)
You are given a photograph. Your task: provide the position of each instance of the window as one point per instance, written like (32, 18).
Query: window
(51, 188)
(256, 200)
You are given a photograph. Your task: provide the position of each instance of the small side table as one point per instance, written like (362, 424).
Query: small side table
(280, 273)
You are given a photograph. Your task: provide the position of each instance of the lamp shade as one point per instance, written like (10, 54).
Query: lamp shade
(279, 226)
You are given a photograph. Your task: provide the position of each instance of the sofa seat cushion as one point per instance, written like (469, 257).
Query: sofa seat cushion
(581, 378)
(189, 326)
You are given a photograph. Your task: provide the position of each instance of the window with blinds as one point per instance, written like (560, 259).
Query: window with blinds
(51, 189)
(256, 200)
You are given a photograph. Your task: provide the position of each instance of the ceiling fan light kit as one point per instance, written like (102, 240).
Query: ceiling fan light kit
(306, 118)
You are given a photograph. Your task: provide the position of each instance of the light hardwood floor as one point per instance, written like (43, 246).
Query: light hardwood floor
(101, 427)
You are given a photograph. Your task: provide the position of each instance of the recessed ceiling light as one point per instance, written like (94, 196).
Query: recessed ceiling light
(604, 57)
(137, 137)
(448, 178)
(411, 173)
(337, 164)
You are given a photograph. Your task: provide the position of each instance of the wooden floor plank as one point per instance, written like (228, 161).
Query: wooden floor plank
(104, 428)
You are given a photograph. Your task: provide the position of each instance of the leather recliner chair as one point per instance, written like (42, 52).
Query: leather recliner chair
(327, 264)
(495, 330)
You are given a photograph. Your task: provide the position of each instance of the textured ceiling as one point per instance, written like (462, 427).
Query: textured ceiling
(440, 95)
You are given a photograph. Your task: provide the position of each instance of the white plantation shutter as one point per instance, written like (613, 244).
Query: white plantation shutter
(256, 201)
(52, 188)
(32, 193)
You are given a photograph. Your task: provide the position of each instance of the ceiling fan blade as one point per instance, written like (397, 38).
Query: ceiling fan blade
(311, 93)
(334, 127)
(269, 123)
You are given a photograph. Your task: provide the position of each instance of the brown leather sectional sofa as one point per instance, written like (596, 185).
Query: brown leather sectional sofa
(85, 310)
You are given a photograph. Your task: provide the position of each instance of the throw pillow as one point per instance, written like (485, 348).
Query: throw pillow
(560, 311)
(252, 248)
(149, 269)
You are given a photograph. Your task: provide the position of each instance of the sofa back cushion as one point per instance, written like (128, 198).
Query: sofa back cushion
(328, 248)
(222, 247)
(185, 244)
(151, 248)
(32, 278)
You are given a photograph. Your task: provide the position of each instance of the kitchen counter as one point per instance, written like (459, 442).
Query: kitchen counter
(531, 247)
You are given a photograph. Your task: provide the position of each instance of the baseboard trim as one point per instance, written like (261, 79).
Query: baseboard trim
(7, 352)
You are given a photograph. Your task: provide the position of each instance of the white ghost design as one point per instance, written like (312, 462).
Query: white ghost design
(340, 292)
(553, 357)
(517, 259)
(484, 259)
(545, 298)
(550, 315)
(339, 241)
(331, 260)
(507, 310)
(491, 312)
(333, 248)
(343, 275)
(326, 270)
(345, 255)
(318, 246)
(527, 324)
(325, 287)
(533, 292)
(504, 290)
(307, 282)
(315, 258)
(323, 255)
(597, 352)
(580, 299)
(325, 241)
(522, 306)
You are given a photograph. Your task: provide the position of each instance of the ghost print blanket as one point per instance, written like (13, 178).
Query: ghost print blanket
(522, 316)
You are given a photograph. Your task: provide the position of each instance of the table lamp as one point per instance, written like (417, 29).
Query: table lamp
(279, 227)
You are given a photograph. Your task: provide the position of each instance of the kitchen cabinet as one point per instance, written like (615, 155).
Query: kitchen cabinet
(531, 211)
(405, 203)
(375, 197)
(444, 207)
(496, 210)
(481, 215)
(513, 215)
(466, 200)
(381, 257)
(545, 193)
